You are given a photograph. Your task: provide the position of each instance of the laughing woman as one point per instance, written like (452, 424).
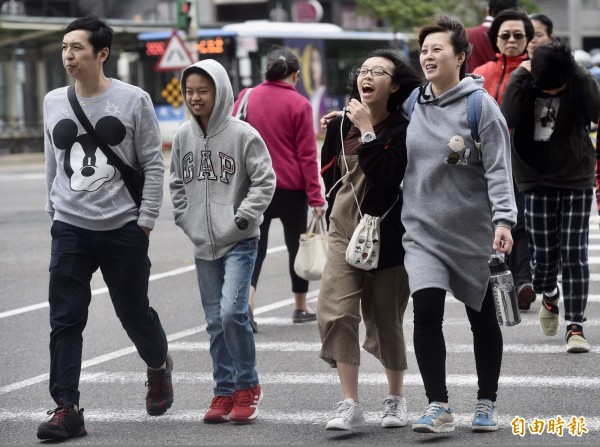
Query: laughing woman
(363, 159)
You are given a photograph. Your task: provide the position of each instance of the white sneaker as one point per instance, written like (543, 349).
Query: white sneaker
(348, 415)
(394, 412)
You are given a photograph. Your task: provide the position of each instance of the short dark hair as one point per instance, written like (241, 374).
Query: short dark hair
(497, 6)
(510, 14)
(458, 37)
(100, 33)
(281, 61)
(552, 66)
(405, 76)
(544, 20)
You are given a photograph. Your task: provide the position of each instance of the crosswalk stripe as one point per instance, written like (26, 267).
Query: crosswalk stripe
(526, 320)
(453, 348)
(295, 378)
(94, 415)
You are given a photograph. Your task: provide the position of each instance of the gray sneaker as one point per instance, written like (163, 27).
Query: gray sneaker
(348, 415)
(394, 412)
(549, 315)
(436, 419)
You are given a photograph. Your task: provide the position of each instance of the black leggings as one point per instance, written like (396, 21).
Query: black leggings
(291, 207)
(430, 347)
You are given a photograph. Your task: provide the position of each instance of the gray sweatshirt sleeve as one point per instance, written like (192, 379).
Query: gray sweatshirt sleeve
(178, 196)
(262, 179)
(495, 149)
(49, 166)
(148, 147)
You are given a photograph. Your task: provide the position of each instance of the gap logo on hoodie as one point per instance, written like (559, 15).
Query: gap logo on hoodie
(206, 170)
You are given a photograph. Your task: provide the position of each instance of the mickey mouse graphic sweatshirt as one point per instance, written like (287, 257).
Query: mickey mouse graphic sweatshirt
(83, 189)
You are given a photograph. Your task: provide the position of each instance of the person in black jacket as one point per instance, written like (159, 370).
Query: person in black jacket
(363, 160)
(549, 103)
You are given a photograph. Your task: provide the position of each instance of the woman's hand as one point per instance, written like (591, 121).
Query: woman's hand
(360, 116)
(326, 118)
(318, 211)
(503, 241)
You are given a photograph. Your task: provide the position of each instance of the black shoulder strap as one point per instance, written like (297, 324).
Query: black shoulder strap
(113, 158)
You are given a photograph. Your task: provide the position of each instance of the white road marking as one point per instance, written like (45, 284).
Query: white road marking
(102, 290)
(94, 415)
(316, 347)
(131, 349)
(331, 378)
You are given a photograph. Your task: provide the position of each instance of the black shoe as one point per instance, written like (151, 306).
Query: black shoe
(526, 296)
(160, 389)
(253, 324)
(65, 423)
(300, 316)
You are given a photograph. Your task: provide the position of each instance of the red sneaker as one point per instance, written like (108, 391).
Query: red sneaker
(245, 404)
(219, 410)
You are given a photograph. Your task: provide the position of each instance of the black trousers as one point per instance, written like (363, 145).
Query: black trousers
(430, 346)
(122, 256)
(519, 261)
(291, 207)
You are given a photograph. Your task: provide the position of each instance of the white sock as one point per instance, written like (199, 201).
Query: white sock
(163, 366)
(580, 323)
(552, 294)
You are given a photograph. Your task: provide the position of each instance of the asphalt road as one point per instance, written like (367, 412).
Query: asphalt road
(539, 381)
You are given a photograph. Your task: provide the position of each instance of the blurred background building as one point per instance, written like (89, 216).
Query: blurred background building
(31, 36)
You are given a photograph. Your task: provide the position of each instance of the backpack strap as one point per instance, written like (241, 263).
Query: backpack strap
(474, 106)
(412, 100)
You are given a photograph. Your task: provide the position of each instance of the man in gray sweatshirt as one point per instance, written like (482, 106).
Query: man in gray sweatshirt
(96, 222)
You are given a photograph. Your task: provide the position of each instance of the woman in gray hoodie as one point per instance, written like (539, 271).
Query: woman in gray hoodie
(221, 183)
(458, 208)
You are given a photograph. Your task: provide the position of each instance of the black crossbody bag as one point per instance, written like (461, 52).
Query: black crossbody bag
(133, 178)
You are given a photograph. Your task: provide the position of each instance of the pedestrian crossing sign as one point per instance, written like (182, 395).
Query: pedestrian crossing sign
(176, 55)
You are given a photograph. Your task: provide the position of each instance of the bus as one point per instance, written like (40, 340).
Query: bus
(327, 54)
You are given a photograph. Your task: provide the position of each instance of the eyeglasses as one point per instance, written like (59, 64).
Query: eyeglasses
(516, 36)
(362, 71)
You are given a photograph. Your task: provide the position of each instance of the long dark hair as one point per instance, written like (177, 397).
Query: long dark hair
(405, 77)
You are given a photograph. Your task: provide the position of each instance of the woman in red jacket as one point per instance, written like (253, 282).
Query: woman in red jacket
(509, 34)
(284, 119)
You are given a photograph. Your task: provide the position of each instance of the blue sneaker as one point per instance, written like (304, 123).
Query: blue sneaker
(436, 419)
(486, 416)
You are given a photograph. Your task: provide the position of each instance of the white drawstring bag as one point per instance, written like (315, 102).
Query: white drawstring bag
(312, 252)
(363, 249)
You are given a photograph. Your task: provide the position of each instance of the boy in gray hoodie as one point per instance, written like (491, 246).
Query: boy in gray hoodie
(221, 183)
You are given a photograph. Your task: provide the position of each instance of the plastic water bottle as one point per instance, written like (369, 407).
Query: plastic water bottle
(503, 290)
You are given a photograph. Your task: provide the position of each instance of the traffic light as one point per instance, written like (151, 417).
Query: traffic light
(183, 15)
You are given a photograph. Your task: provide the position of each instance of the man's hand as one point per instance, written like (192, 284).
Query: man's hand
(146, 230)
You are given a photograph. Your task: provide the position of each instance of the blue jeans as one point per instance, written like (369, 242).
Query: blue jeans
(224, 287)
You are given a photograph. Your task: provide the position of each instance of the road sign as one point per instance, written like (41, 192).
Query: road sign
(176, 56)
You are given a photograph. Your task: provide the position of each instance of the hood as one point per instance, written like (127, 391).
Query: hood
(223, 108)
(467, 85)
